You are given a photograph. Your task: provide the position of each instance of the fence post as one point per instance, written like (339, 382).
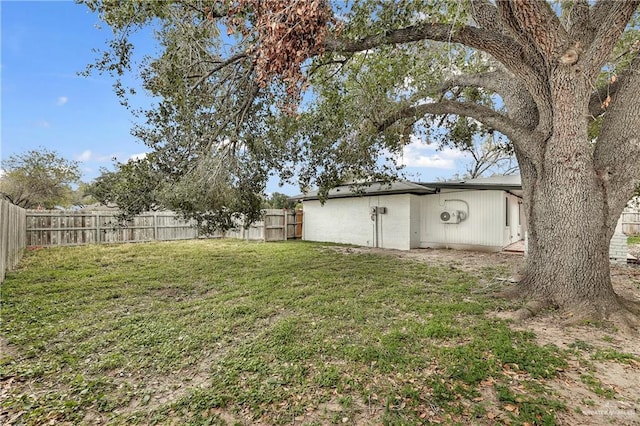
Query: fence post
(264, 225)
(97, 219)
(285, 213)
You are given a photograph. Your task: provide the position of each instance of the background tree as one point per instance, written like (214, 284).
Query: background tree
(558, 79)
(81, 197)
(39, 178)
(278, 200)
(130, 186)
(217, 203)
(490, 153)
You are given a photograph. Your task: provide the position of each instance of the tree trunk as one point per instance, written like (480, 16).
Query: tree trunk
(568, 261)
(569, 231)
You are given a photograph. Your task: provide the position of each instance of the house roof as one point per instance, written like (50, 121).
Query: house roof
(511, 182)
(505, 183)
(377, 188)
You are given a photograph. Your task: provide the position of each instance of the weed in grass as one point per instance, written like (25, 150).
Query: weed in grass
(581, 345)
(526, 408)
(328, 377)
(595, 385)
(613, 355)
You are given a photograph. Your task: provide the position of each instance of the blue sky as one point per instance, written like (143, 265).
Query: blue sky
(45, 103)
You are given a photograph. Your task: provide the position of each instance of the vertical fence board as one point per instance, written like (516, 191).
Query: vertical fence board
(298, 223)
(13, 224)
(631, 222)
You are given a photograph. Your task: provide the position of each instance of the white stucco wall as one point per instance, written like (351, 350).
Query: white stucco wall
(413, 221)
(484, 228)
(348, 221)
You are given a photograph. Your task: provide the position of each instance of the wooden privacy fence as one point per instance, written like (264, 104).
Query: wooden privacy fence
(12, 236)
(631, 222)
(62, 228)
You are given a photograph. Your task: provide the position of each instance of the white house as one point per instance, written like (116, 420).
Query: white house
(480, 214)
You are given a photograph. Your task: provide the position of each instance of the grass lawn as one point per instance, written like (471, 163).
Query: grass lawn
(633, 240)
(230, 332)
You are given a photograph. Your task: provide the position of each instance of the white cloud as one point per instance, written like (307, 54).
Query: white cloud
(88, 155)
(419, 154)
(43, 124)
(62, 100)
(140, 156)
(85, 156)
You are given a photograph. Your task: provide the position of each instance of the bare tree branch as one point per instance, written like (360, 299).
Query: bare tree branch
(512, 27)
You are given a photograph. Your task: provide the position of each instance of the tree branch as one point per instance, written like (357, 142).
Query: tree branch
(535, 22)
(217, 68)
(611, 16)
(501, 47)
(485, 14)
(578, 22)
(526, 66)
(513, 28)
(520, 104)
(483, 114)
(618, 147)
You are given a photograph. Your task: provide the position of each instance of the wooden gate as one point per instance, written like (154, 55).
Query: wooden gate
(281, 225)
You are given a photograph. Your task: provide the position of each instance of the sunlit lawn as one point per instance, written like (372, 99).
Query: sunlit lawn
(215, 332)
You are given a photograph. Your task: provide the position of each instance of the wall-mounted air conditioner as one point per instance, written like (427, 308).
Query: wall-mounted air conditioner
(452, 216)
(377, 210)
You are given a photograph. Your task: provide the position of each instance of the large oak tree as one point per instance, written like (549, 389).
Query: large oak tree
(558, 79)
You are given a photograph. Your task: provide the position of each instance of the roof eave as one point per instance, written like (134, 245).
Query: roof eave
(312, 197)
